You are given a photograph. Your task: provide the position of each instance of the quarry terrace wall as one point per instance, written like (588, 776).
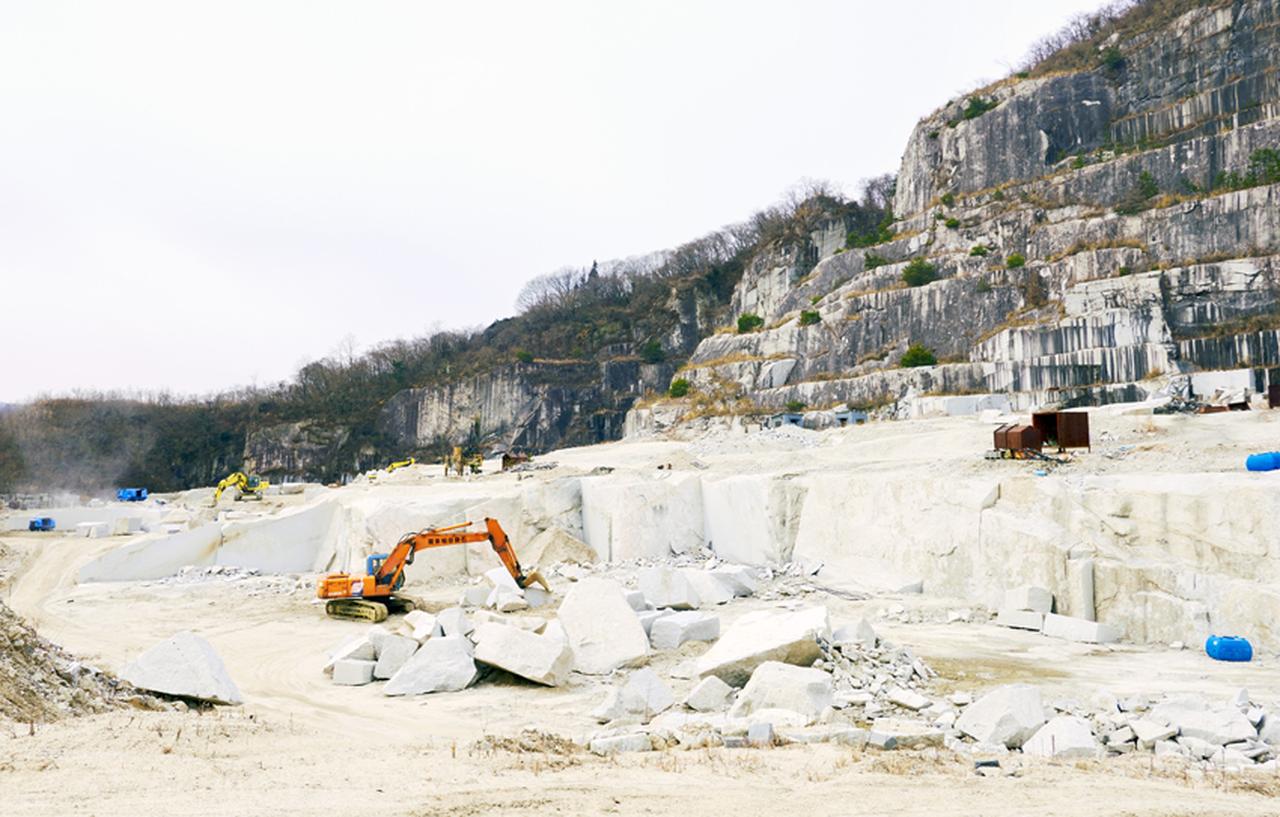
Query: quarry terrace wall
(1163, 558)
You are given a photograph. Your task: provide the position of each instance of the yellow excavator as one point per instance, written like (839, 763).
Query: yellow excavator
(396, 466)
(251, 487)
(369, 597)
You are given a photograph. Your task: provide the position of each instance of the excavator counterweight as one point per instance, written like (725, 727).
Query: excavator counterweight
(370, 596)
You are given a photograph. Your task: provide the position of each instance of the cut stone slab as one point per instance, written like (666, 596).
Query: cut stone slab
(1124, 734)
(1029, 597)
(353, 673)
(93, 530)
(376, 634)
(1006, 715)
(859, 632)
(1149, 732)
(534, 624)
(360, 648)
(184, 665)
(499, 577)
(538, 658)
(395, 651)
(765, 635)
(1021, 619)
(710, 588)
(667, 587)
(710, 695)
(454, 621)
(506, 600)
(1194, 718)
(443, 664)
(603, 630)
(739, 578)
(1062, 737)
(419, 625)
(760, 734)
(669, 632)
(554, 630)
(775, 685)
(908, 734)
(647, 618)
(613, 744)
(1079, 629)
(907, 698)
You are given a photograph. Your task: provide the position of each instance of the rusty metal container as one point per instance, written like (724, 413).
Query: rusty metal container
(1002, 436)
(1063, 429)
(1020, 437)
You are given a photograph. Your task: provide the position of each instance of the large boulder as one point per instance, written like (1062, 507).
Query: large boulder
(602, 628)
(765, 635)
(775, 685)
(710, 588)
(670, 631)
(1064, 737)
(184, 665)
(542, 659)
(1195, 718)
(554, 546)
(1006, 715)
(443, 664)
(710, 695)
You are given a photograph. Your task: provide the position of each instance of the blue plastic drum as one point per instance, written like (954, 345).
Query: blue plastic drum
(1269, 461)
(1228, 648)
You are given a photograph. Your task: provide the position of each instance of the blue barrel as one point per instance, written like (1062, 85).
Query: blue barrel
(1269, 461)
(1228, 648)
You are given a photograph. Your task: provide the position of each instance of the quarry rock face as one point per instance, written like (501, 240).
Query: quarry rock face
(1039, 170)
(187, 666)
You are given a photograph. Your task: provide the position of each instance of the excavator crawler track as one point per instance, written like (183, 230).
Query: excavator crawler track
(356, 610)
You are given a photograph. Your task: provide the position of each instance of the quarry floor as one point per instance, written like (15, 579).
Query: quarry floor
(302, 745)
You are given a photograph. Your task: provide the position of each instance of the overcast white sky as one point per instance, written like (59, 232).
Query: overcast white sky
(195, 196)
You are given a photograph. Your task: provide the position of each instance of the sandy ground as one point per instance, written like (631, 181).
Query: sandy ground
(300, 745)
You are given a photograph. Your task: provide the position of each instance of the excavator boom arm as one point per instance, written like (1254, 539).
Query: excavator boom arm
(402, 554)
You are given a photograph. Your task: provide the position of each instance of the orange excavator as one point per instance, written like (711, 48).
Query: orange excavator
(369, 597)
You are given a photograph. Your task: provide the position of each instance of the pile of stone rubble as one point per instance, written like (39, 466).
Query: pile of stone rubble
(778, 675)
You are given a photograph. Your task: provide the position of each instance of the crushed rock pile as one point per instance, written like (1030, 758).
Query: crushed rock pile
(40, 682)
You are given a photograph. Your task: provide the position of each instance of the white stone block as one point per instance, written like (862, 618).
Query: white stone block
(1079, 629)
(667, 587)
(454, 621)
(741, 579)
(907, 698)
(443, 664)
(669, 632)
(1021, 619)
(1149, 732)
(614, 744)
(647, 618)
(602, 628)
(350, 672)
(185, 665)
(1028, 597)
(1062, 737)
(419, 625)
(710, 695)
(710, 588)
(1194, 718)
(395, 652)
(765, 635)
(1007, 715)
(359, 648)
(643, 695)
(93, 530)
(538, 658)
(775, 685)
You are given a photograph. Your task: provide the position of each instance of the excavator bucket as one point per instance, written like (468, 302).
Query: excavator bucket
(534, 577)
